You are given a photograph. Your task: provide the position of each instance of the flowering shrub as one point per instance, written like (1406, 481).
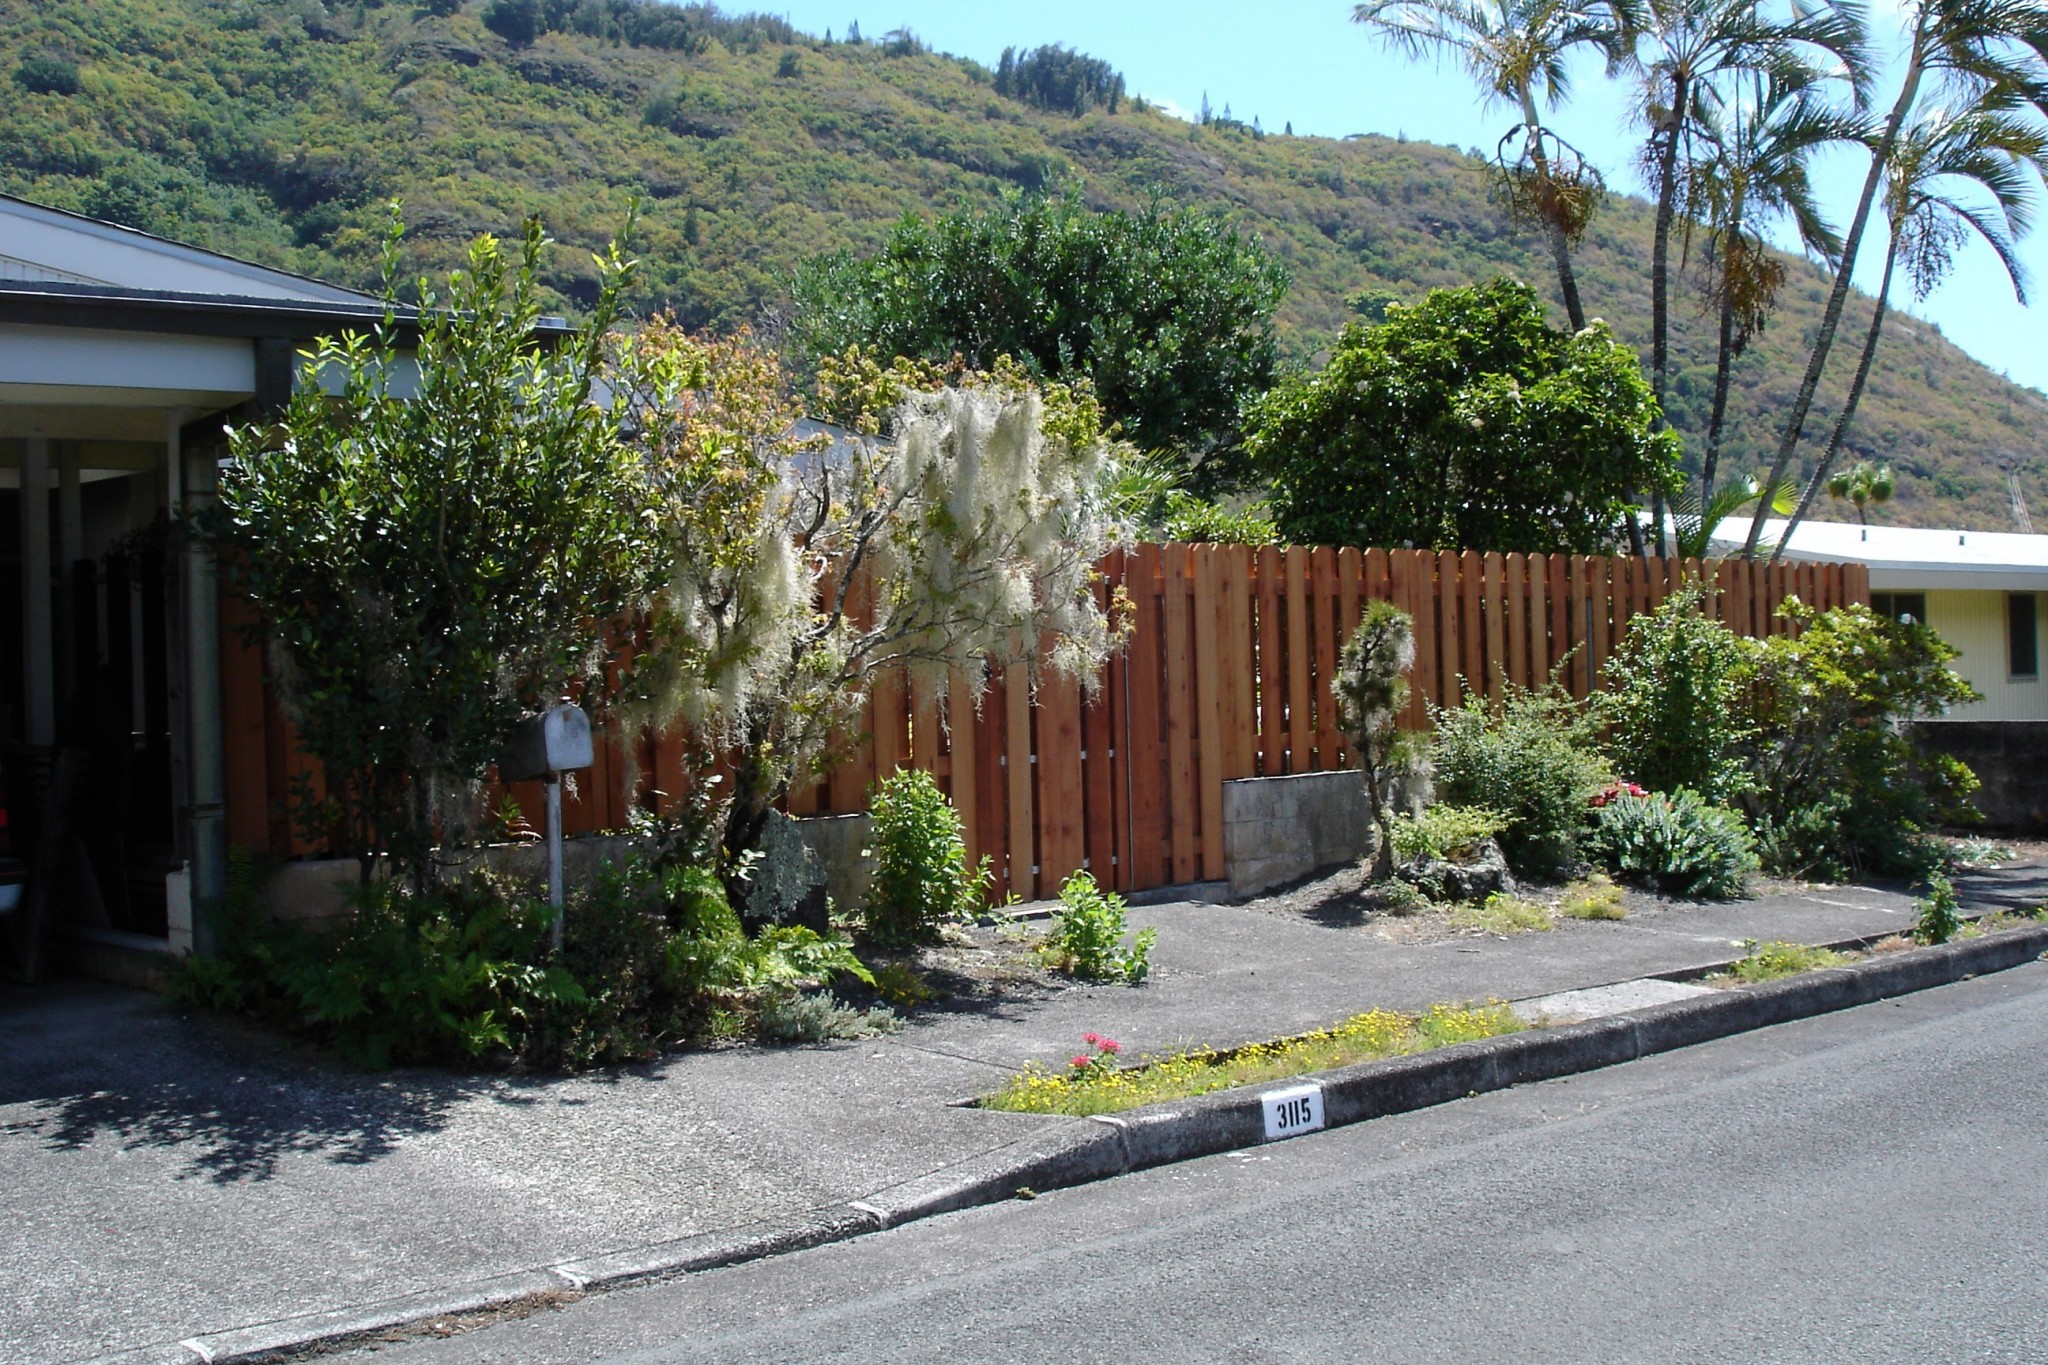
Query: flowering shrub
(1615, 789)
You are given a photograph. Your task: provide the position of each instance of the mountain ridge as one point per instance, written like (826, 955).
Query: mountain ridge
(276, 131)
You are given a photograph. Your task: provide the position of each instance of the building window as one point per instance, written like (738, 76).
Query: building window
(2022, 636)
(1900, 606)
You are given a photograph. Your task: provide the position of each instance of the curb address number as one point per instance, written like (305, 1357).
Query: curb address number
(1293, 1111)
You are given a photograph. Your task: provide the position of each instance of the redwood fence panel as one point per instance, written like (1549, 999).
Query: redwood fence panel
(1226, 674)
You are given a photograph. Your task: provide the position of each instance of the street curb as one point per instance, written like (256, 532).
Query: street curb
(1082, 1151)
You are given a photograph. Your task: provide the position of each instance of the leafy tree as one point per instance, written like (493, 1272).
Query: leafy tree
(1057, 78)
(518, 22)
(1465, 421)
(1517, 51)
(1371, 688)
(42, 74)
(1957, 173)
(429, 565)
(1166, 312)
(957, 526)
(1972, 49)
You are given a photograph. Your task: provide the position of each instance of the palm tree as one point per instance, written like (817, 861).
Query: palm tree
(1765, 130)
(1685, 49)
(1865, 485)
(1696, 518)
(1518, 51)
(1970, 46)
(1949, 177)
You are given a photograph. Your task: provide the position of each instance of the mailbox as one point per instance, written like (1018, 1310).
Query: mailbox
(555, 741)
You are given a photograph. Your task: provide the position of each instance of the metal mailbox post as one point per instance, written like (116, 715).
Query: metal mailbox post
(546, 746)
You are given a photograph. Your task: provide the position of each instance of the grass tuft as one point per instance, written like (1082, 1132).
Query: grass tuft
(1770, 961)
(1501, 913)
(1594, 898)
(2002, 920)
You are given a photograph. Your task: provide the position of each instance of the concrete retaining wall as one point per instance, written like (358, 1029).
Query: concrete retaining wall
(2009, 756)
(313, 891)
(1278, 828)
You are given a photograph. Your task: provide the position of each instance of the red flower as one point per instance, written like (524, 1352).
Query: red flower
(1108, 1045)
(1092, 1039)
(1081, 1063)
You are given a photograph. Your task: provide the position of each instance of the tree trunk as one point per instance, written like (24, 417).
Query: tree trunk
(1724, 361)
(1560, 246)
(1660, 241)
(1795, 424)
(1383, 826)
(1848, 413)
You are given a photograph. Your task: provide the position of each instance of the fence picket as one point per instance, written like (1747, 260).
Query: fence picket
(1209, 711)
(1496, 664)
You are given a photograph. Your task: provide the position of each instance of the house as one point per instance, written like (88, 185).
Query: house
(1985, 593)
(123, 358)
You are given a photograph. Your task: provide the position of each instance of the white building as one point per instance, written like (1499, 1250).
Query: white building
(1984, 591)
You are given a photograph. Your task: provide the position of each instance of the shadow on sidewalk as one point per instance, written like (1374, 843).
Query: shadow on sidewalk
(83, 1064)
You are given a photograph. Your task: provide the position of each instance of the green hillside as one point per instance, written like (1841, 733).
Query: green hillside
(273, 129)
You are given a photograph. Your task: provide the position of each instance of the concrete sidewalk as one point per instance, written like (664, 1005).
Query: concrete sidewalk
(168, 1175)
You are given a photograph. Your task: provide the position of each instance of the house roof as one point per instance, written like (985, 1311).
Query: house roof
(42, 245)
(64, 269)
(1912, 556)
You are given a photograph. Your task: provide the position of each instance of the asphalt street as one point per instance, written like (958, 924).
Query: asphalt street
(1864, 1186)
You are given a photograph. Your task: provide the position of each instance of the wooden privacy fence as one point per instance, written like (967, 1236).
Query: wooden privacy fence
(1226, 675)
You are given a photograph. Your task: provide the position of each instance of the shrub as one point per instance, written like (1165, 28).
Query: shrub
(1444, 831)
(1677, 843)
(1839, 787)
(793, 1017)
(42, 74)
(1937, 920)
(922, 877)
(1673, 705)
(1187, 518)
(1533, 761)
(653, 955)
(1087, 935)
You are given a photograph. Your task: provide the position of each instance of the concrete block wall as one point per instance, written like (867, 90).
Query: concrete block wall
(2010, 757)
(1278, 828)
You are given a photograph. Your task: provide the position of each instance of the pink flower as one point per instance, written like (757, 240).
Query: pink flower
(1081, 1063)
(1092, 1039)
(1109, 1045)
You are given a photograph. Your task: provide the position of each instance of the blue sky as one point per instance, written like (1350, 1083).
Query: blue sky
(1286, 61)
